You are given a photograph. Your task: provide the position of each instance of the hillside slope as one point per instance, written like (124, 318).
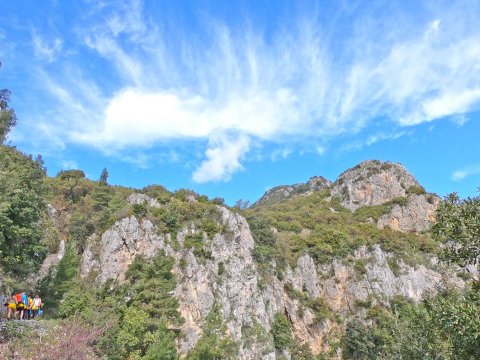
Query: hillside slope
(174, 274)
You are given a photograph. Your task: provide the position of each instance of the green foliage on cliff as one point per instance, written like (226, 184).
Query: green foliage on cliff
(459, 226)
(315, 225)
(282, 333)
(442, 327)
(139, 317)
(214, 344)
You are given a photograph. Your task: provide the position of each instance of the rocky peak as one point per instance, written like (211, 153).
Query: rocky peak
(373, 182)
(282, 192)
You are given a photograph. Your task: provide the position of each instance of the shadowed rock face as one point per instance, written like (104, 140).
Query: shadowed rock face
(247, 298)
(372, 182)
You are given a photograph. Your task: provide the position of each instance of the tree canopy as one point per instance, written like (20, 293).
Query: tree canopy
(458, 225)
(8, 118)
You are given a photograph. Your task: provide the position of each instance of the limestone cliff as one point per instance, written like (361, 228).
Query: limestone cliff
(417, 215)
(316, 298)
(372, 182)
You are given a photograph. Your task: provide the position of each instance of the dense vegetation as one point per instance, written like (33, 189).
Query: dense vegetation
(22, 211)
(446, 326)
(320, 226)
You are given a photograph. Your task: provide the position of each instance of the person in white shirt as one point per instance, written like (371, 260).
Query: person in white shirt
(36, 305)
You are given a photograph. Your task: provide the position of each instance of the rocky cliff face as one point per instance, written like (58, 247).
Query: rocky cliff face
(283, 192)
(372, 182)
(229, 280)
(416, 216)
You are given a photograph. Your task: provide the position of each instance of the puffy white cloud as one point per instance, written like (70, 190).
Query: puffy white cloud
(222, 159)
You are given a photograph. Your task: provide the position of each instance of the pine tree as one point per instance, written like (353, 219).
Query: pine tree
(104, 176)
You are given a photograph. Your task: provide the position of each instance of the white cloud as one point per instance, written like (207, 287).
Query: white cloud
(45, 49)
(466, 171)
(358, 144)
(223, 159)
(298, 84)
(280, 154)
(372, 139)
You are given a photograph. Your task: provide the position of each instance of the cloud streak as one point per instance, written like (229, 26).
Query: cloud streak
(238, 87)
(465, 172)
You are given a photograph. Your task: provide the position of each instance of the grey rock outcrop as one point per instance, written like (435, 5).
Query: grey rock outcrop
(51, 260)
(372, 182)
(200, 287)
(140, 199)
(114, 252)
(280, 193)
(416, 216)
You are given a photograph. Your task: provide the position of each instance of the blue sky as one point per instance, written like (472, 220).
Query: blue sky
(232, 98)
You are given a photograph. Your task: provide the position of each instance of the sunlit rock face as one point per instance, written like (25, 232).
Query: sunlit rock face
(372, 182)
(416, 216)
(229, 280)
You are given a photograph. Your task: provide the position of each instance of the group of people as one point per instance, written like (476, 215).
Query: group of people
(23, 307)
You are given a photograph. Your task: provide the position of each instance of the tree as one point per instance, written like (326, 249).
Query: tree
(458, 225)
(241, 205)
(21, 211)
(8, 118)
(104, 176)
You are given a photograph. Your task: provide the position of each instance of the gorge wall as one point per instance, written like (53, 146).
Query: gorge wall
(317, 298)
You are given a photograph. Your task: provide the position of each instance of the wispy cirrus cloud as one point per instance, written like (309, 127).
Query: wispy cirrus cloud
(465, 172)
(231, 88)
(47, 50)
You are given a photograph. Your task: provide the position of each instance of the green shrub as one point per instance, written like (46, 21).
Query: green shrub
(360, 266)
(140, 210)
(282, 334)
(71, 174)
(214, 344)
(415, 189)
(394, 266)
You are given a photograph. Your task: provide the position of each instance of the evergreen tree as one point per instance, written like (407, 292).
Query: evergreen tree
(104, 176)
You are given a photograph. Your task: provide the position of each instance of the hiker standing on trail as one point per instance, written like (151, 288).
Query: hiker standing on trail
(25, 306)
(30, 303)
(11, 306)
(36, 305)
(20, 307)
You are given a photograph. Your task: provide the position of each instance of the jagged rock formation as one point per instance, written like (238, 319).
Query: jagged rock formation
(200, 286)
(140, 199)
(283, 192)
(111, 255)
(230, 280)
(372, 182)
(417, 215)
